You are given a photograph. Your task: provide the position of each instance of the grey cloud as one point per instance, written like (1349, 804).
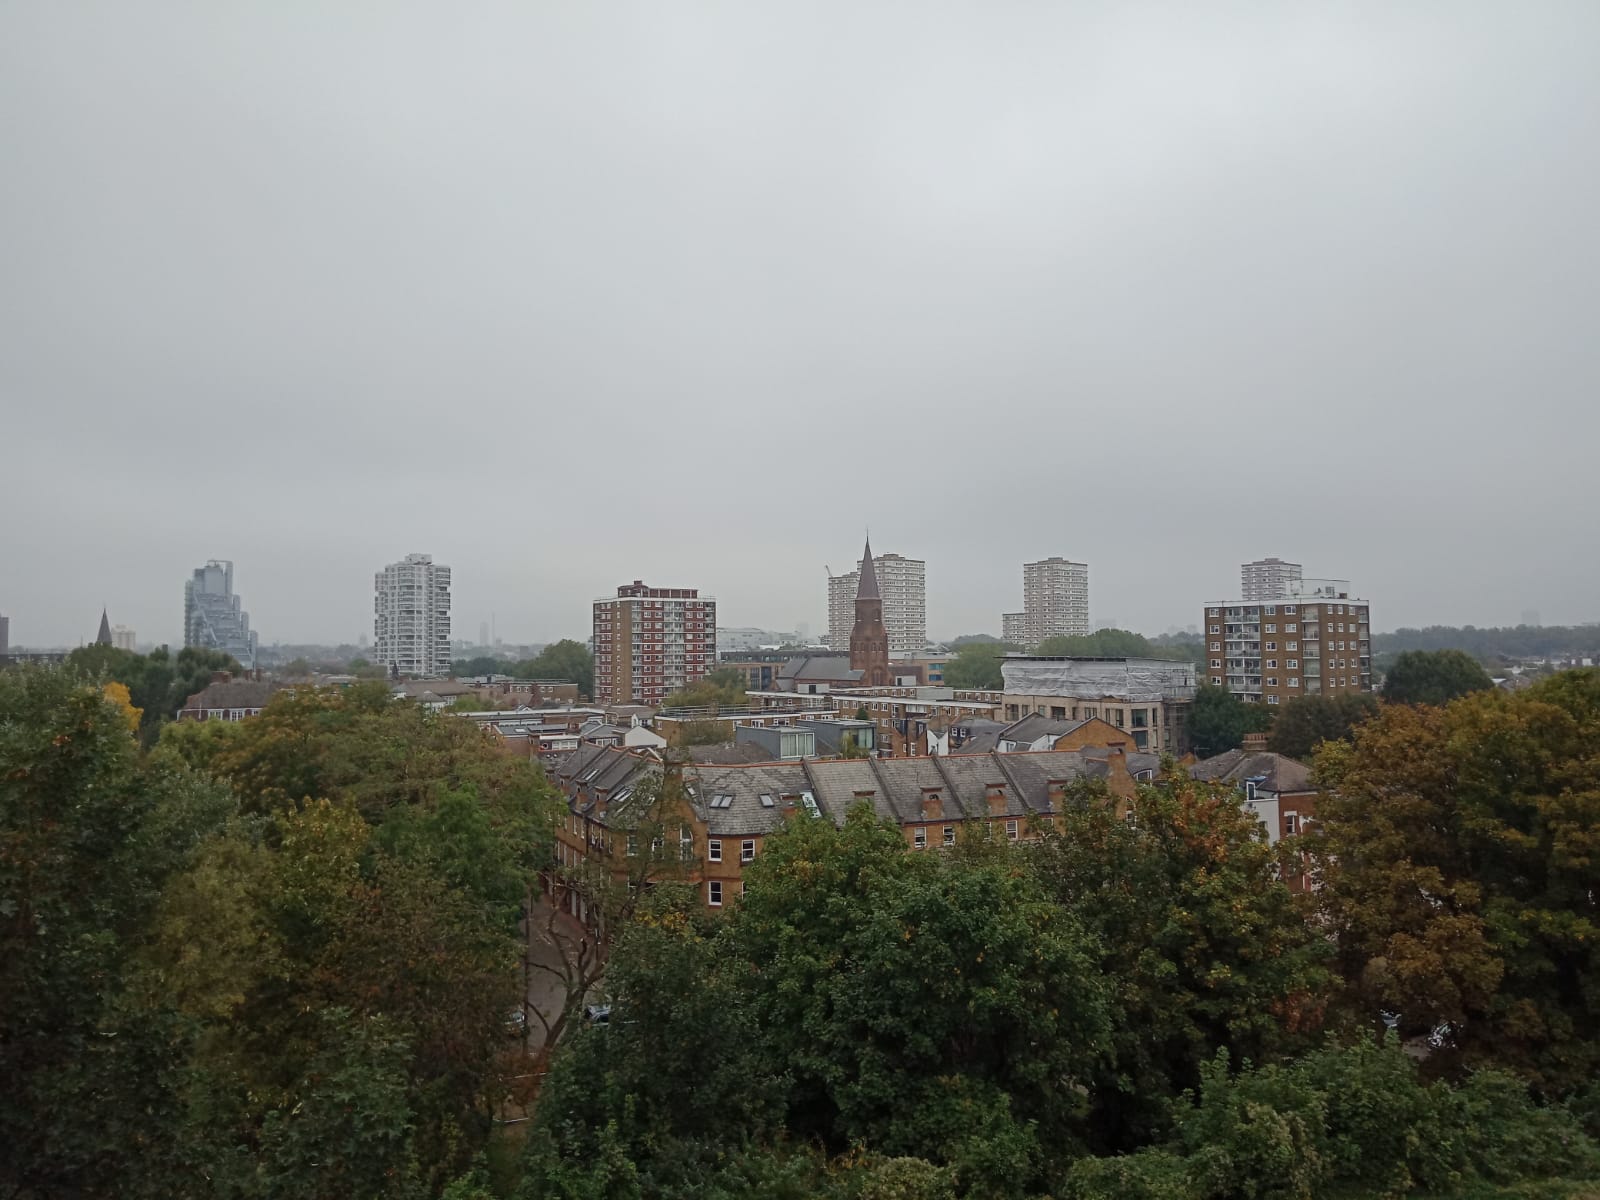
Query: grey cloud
(566, 295)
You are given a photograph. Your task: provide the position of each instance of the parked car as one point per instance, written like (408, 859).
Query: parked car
(597, 1014)
(516, 1023)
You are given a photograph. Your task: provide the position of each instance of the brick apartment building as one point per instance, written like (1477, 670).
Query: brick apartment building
(719, 815)
(650, 642)
(1318, 642)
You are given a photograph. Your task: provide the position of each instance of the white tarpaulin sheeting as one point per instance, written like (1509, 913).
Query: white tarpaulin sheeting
(1136, 679)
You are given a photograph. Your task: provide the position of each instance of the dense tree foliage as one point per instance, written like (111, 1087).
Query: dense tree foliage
(1000, 1020)
(1196, 929)
(271, 958)
(1521, 641)
(158, 683)
(1459, 854)
(1306, 721)
(723, 688)
(1433, 677)
(274, 958)
(1120, 643)
(567, 660)
(1218, 720)
(976, 665)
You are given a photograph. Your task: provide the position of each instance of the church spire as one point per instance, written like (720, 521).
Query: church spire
(104, 637)
(867, 588)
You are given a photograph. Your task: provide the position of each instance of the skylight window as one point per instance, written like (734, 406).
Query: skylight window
(766, 800)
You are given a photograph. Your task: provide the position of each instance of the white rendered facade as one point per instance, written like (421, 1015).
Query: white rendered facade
(1055, 599)
(411, 623)
(903, 584)
(1269, 579)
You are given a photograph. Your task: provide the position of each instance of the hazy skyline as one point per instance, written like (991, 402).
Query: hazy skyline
(566, 296)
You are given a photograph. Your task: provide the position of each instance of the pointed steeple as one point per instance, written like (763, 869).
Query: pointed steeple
(867, 588)
(104, 637)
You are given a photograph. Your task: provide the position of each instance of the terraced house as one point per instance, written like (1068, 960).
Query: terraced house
(720, 815)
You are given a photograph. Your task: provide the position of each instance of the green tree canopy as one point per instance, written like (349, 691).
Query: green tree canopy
(1308, 720)
(1219, 720)
(1459, 856)
(1433, 677)
(976, 665)
(565, 659)
(723, 688)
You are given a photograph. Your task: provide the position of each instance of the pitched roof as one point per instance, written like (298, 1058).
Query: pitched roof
(235, 693)
(824, 668)
(103, 638)
(1032, 727)
(867, 589)
(1276, 772)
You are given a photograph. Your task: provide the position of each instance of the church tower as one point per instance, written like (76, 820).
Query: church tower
(869, 639)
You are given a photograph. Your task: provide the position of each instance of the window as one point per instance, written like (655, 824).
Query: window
(1272, 610)
(1291, 824)
(1216, 629)
(1288, 610)
(1272, 663)
(919, 839)
(1272, 645)
(685, 843)
(949, 835)
(1273, 699)
(1291, 645)
(633, 845)
(1216, 664)
(1216, 645)
(1216, 680)
(1011, 830)
(1289, 628)
(1272, 628)
(1294, 681)
(1272, 681)
(714, 893)
(714, 850)
(747, 852)
(1293, 664)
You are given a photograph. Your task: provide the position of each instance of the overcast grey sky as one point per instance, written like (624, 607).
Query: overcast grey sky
(572, 294)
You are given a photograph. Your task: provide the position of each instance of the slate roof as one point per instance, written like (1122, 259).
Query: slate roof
(728, 753)
(236, 693)
(1032, 727)
(894, 787)
(867, 588)
(823, 668)
(1279, 772)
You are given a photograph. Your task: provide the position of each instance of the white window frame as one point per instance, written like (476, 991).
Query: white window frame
(949, 835)
(714, 850)
(747, 851)
(919, 838)
(1013, 830)
(714, 893)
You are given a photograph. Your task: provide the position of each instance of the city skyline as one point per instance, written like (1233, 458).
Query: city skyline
(1279, 227)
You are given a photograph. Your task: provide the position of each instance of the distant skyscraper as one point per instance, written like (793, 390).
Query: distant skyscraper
(1269, 579)
(1014, 628)
(1055, 599)
(122, 637)
(213, 618)
(5, 636)
(902, 583)
(411, 622)
(650, 642)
